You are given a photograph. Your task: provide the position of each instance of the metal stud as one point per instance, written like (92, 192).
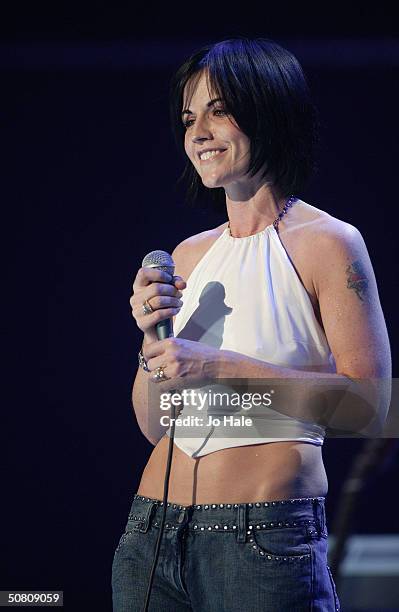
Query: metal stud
(209, 528)
(206, 507)
(225, 527)
(221, 505)
(257, 504)
(216, 526)
(195, 526)
(261, 552)
(202, 528)
(250, 505)
(249, 532)
(250, 526)
(214, 505)
(228, 506)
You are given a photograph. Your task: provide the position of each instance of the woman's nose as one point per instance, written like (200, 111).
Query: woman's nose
(199, 138)
(201, 131)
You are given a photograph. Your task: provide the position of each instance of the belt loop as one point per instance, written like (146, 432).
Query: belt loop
(322, 516)
(147, 517)
(241, 523)
(319, 514)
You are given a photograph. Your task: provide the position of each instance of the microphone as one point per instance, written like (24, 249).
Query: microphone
(161, 260)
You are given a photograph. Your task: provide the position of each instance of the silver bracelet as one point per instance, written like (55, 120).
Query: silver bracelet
(142, 361)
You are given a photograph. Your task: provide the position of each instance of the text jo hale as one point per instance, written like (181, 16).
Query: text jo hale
(198, 421)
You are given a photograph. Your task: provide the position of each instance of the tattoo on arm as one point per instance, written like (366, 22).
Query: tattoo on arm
(357, 279)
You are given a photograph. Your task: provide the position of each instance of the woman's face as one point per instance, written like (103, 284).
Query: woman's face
(208, 127)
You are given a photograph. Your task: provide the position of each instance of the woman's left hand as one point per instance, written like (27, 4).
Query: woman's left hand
(184, 359)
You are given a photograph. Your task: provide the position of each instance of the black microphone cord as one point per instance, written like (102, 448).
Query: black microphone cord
(165, 503)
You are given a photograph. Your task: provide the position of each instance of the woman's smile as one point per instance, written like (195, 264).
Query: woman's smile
(211, 156)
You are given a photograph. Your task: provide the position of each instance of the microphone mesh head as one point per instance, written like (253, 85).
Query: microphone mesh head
(160, 260)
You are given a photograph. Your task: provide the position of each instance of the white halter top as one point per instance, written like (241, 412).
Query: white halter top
(245, 295)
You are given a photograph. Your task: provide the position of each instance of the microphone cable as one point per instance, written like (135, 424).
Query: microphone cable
(164, 500)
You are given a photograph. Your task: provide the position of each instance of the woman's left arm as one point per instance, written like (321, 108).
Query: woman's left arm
(355, 328)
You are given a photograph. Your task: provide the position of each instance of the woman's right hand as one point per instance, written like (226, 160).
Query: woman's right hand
(164, 298)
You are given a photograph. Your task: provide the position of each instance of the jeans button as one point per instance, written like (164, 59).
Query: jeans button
(180, 518)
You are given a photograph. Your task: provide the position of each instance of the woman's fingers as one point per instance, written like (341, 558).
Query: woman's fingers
(147, 275)
(161, 291)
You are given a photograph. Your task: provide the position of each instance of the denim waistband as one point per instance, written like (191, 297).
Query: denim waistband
(241, 518)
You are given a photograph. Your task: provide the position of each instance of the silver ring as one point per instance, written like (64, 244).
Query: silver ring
(147, 309)
(159, 374)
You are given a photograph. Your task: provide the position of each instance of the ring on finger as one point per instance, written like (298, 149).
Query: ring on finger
(147, 308)
(159, 374)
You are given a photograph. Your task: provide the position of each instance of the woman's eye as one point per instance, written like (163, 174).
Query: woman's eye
(189, 122)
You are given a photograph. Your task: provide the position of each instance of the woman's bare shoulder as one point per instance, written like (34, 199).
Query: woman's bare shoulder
(313, 222)
(332, 239)
(311, 230)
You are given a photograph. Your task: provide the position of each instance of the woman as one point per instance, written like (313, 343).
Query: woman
(245, 524)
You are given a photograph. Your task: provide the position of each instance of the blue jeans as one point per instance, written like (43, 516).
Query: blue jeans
(261, 556)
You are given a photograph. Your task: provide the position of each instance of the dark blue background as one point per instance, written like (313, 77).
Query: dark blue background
(88, 188)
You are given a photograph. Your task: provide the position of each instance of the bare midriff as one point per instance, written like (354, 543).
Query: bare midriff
(243, 474)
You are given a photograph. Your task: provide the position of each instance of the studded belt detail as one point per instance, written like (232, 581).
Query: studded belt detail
(267, 504)
(224, 527)
(219, 527)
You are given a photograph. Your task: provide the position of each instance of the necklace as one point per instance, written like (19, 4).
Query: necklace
(286, 206)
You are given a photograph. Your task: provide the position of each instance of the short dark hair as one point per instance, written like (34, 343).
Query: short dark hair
(265, 90)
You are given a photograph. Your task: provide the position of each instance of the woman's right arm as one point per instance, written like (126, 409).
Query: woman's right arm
(152, 285)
